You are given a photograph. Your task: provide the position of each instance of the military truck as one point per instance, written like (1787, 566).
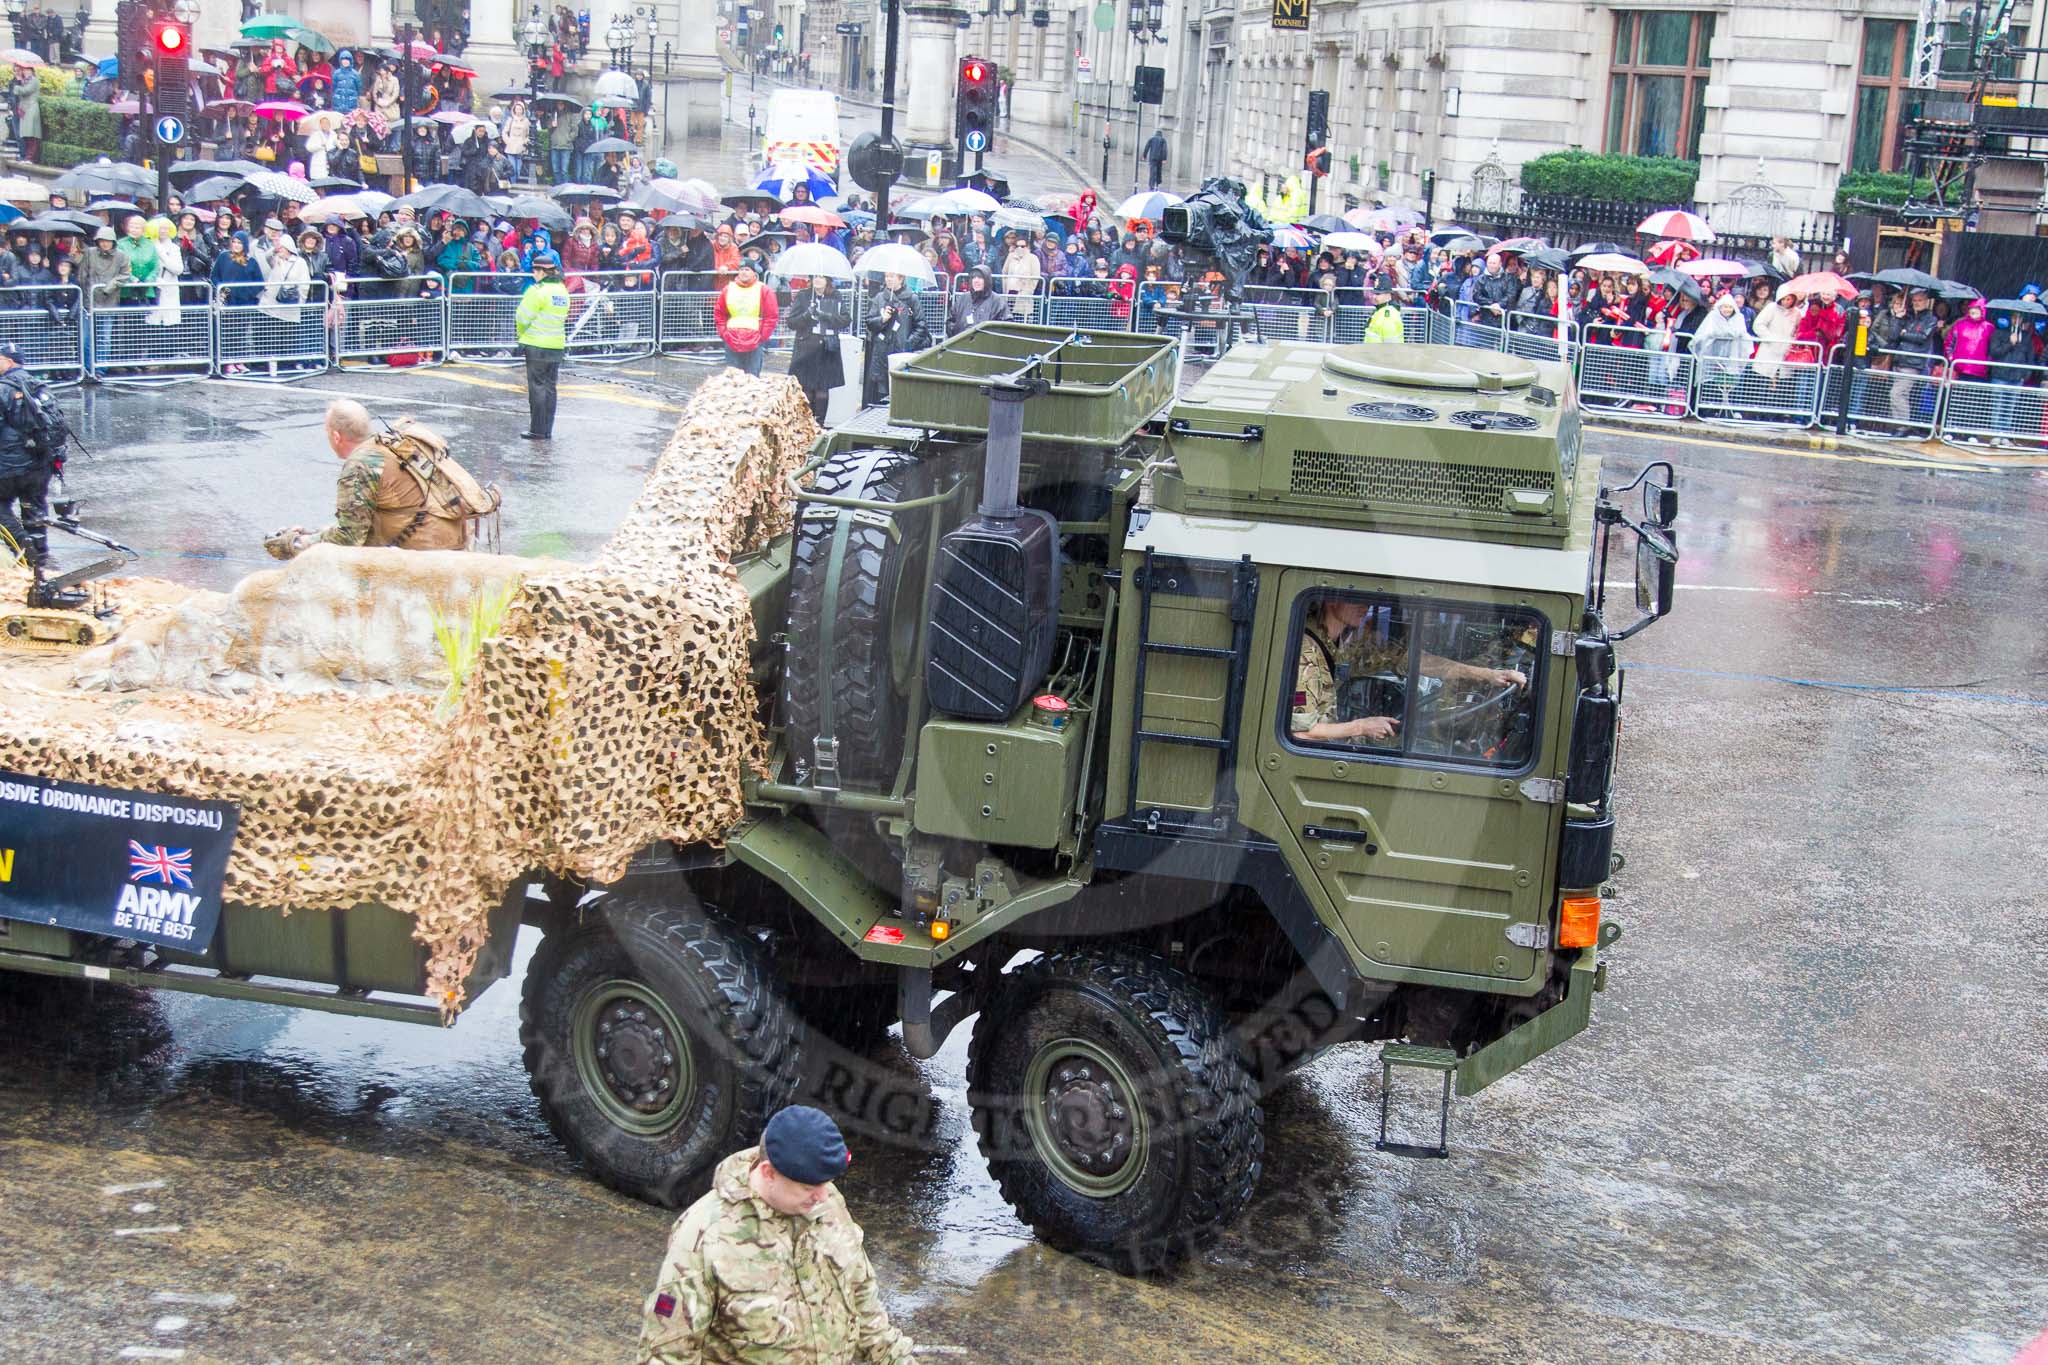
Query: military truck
(1170, 736)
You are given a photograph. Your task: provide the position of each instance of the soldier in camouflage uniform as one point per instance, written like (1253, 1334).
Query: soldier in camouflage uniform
(768, 1266)
(367, 486)
(1332, 635)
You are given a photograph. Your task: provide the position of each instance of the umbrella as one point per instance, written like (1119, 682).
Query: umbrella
(78, 218)
(1150, 205)
(1671, 253)
(454, 118)
(676, 196)
(1352, 241)
(113, 206)
(617, 83)
(783, 180)
(541, 209)
(1324, 222)
(1292, 239)
(214, 187)
(893, 258)
(421, 52)
(1714, 268)
(859, 218)
(225, 108)
(1521, 246)
(1819, 282)
(614, 102)
(812, 214)
(556, 97)
(1898, 277)
(574, 191)
(922, 208)
(334, 182)
(2026, 306)
(201, 169)
(268, 26)
(456, 69)
(1462, 245)
(447, 199)
(1058, 201)
(1022, 220)
(273, 185)
(610, 144)
(1688, 227)
(361, 204)
(1596, 248)
(1957, 292)
(21, 56)
(1761, 270)
(16, 188)
(324, 120)
(1676, 281)
(250, 44)
(1614, 263)
(1388, 219)
(127, 106)
(1550, 258)
(288, 111)
(51, 223)
(811, 258)
(107, 177)
(202, 67)
(967, 200)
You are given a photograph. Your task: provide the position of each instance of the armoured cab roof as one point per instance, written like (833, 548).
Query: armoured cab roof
(1430, 440)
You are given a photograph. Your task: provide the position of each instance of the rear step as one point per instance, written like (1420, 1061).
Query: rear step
(1420, 1059)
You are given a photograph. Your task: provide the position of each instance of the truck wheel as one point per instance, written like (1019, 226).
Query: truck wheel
(656, 1044)
(1112, 1107)
(871, 619)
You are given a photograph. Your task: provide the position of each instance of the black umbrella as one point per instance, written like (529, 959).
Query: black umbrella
(755, 200)
(334, 182)
(1905, 277)
(113, 206)
(214, 187)
(85, 222)
(1462, 246)
(610, 144)
(552, 97)
(574, 191)
(107, 179)
(446, 199)
(52, 223)
(1956, 292)
(1325, 222)
(1676, 280)
(541, 209)
(1579, 253)
(2026, 306)
(1763, 270)
(512, 92)
(1549, 258)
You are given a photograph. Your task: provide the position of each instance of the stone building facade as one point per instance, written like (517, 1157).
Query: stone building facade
(1776, 99)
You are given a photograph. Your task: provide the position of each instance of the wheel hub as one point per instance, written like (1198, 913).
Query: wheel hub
(1084, 1118)
(633, 1056)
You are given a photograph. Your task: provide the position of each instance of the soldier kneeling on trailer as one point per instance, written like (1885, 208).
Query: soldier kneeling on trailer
(769, 1264)
(399, 489)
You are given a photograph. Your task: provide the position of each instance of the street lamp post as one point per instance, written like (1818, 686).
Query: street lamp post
(405, 106)
(536, 35)
(647, 83)
(1147, 25)
(15, 9)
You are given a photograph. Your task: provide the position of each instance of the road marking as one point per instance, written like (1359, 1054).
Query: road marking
(601, 392)
(1888, 689)
(193, 1300)
(152, 1353)
(169, 1323)
(147, 1232)
(137, 1188)
(1812, 454)
(142, 1208)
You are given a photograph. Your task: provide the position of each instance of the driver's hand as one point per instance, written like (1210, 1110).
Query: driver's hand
(1378, 729)
(1505, 677)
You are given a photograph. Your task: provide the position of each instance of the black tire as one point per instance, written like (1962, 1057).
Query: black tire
(860, 670)
(740, 1065)
(1192, 1138)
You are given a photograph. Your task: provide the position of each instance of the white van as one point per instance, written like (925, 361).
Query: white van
(802, 128)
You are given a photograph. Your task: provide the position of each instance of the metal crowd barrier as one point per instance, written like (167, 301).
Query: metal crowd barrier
(379, 319)
(145, 342)
(1887, 404)
(1989, 410)
(483, 313)
(1473, 326)
(280, 333)
(47, 321)
(1088, 303)
(686, 323)
(614, 316)
(1538, 336)
(1649, 383)
(1758, 391)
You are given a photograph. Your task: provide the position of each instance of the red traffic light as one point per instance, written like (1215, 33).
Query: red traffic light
(170, 38)
(975, 72)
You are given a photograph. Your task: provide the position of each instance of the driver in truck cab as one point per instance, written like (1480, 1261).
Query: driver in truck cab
(1367, 637)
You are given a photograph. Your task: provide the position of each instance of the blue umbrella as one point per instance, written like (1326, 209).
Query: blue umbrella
(10, 214)
(109, 66)
(857, 217)
(783, 180)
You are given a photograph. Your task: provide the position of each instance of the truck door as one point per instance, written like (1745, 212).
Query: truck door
(1395, 750)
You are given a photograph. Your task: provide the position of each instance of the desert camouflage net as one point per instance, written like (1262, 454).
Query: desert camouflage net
(614, 707)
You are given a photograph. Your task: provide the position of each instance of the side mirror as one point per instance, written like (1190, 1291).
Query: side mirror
(1656, 575)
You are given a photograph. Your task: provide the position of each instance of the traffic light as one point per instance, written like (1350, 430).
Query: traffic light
(170, 46)
(975, 109)
(1318, 120)
(131, 43)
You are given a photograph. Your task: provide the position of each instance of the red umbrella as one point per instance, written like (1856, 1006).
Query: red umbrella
(457, 70)
(1819, 282)
(1676, 223)
(812, 214)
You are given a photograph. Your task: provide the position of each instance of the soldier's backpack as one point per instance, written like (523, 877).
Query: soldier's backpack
(452, 492)
(45, 423)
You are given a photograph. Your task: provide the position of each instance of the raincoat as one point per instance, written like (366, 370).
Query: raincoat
(1969, 343)
(348, 82)
(1774, 328)
(170, 268)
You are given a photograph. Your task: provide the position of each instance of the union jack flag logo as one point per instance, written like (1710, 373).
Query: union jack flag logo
(165, 866)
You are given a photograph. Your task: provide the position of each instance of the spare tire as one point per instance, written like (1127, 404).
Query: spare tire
(848, 659)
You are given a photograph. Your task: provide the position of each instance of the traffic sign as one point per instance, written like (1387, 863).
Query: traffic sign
(170, 130)
(977, 141)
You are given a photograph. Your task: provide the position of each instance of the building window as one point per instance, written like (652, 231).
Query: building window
(1881, 95)
(1656, 93)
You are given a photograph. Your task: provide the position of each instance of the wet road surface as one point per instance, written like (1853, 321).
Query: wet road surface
(1805, 1124)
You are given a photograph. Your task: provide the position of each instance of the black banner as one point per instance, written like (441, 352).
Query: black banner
(1290, 14)
(105, 861)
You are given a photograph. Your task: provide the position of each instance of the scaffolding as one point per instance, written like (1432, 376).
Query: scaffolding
(1977, 138)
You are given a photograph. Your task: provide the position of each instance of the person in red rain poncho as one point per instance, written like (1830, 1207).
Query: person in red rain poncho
(280, 72)
(1084, 210)
(1819, 331)
(1123, 287)
(1969, 344)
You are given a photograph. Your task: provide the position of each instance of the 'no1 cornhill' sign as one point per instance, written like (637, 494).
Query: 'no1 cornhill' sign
(1290, 14)
(105, 861)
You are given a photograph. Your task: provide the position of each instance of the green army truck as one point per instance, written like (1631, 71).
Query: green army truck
(1170, 736)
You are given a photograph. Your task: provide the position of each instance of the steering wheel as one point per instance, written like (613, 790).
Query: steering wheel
(1439, 720)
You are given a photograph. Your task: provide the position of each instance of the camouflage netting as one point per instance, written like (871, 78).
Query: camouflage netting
(614, 707)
